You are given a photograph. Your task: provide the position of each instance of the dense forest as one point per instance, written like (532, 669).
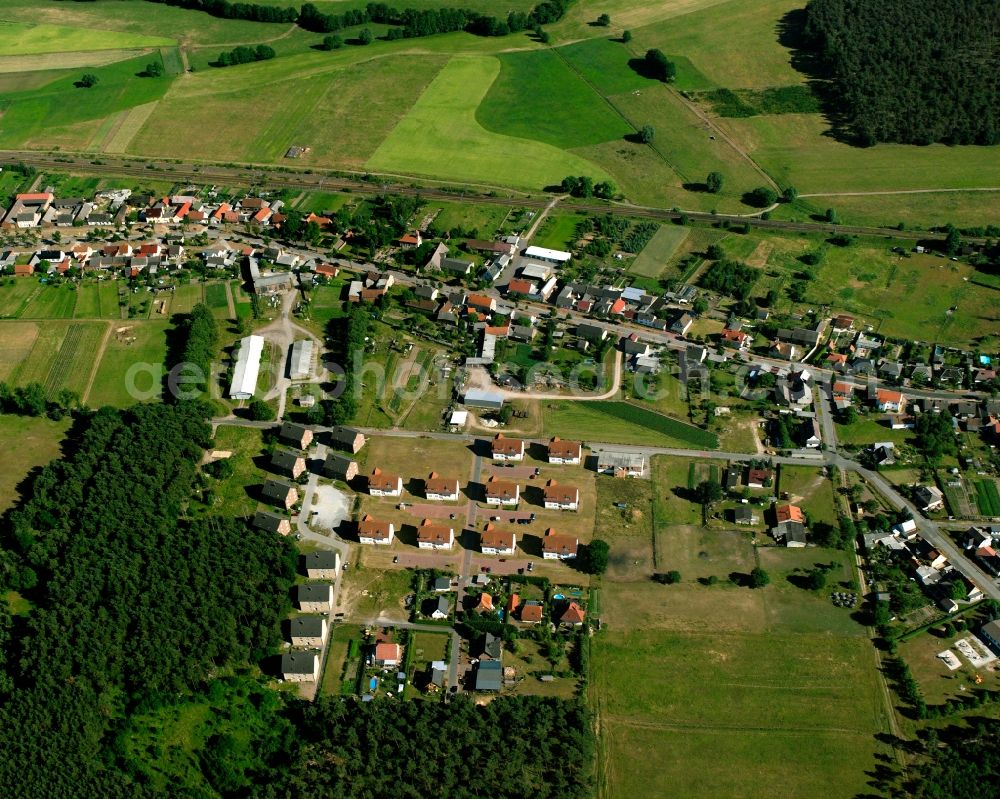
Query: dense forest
(913, 72)
(130, 603)
(513, 747)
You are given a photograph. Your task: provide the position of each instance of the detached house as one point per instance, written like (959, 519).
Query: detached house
(347, 438)
(315, 597)
(889, 401)
(502, 492)
(560, 497)
(929, 498)
(323, 564)
(559, 546)
(272, 522)
(308, 631)
(278, 492)
(383, 484)
(573, 616)
(388, 655)
(507, 449)
(295, 435)
(497, 542)
(564, 451)
(372, 531)
(435, 536)
(300, 666)
(288, 463)
(441, 489)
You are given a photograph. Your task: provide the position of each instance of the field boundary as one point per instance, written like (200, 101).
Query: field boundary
(97, 363)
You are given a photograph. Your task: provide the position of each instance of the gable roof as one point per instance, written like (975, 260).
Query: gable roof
(383, 481)
(562, 494)
(501, 489)
(560, 543)
(564, 449)
(789, 513)
(436, 484)
(507, 446)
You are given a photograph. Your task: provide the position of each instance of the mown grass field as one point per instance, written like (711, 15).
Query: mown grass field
(51, 302)
(441, 137)
(26, 443)
(517, 105)
(719, 690)
(809, 489)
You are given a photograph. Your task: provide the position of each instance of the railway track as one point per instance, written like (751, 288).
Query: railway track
(265, 177)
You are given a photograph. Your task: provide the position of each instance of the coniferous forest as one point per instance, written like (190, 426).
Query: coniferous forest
(910, 71)
(140, 667)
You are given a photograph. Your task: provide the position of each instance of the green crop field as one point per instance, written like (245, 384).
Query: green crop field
(987, 497)
(131, 368)
(652, 421)
(604, 65)
(440, 136)
(619, 425)
(15, 295)
(97, 301)
(661, 249)
(517, 105)
(52, 302)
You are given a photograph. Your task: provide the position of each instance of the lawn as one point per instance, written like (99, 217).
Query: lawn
(937, 683)
(558, 232)
(216, 299)
(232, 497)
(655, 256)
(132, 366)
(22, 39)
(808, 488)
(186, 296)
(338, 674)
(514, 105)
(440, 136)
(486, 219)
(27, 443)
(868, 430)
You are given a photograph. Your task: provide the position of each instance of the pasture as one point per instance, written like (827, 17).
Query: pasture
(131, 368)
(26, 443)
(655, 256)
(441, 137)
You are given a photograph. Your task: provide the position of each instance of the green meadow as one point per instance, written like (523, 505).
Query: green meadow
(25, 39)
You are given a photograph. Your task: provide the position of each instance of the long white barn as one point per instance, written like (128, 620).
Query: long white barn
(247, 368)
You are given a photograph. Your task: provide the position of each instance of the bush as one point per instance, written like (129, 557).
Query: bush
(759, 578)
(761, 197)
(260, 411)
(714, 181)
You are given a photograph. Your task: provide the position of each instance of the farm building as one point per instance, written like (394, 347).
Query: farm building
(301, 359)
(247, 368)
(488, 400)
(621, 464)
(547, 255)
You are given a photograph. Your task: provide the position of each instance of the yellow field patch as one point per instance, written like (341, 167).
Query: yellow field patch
(18, 339)
(130, 122)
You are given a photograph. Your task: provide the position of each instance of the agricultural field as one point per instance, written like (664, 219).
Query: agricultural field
(441, 137)
(987, 497)
(584, 420)
(57, 354)
(51, 302)
(131, 368)
(97, 301)
(27, 443)
(514, 105)
(15, 296)
(26, 39)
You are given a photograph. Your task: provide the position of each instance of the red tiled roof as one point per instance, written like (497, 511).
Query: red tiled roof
(564, 449)
(789, 513)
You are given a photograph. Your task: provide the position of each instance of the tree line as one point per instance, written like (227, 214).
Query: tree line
(199, 333)
(914, 73)
(244, 54)
(407, 23)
